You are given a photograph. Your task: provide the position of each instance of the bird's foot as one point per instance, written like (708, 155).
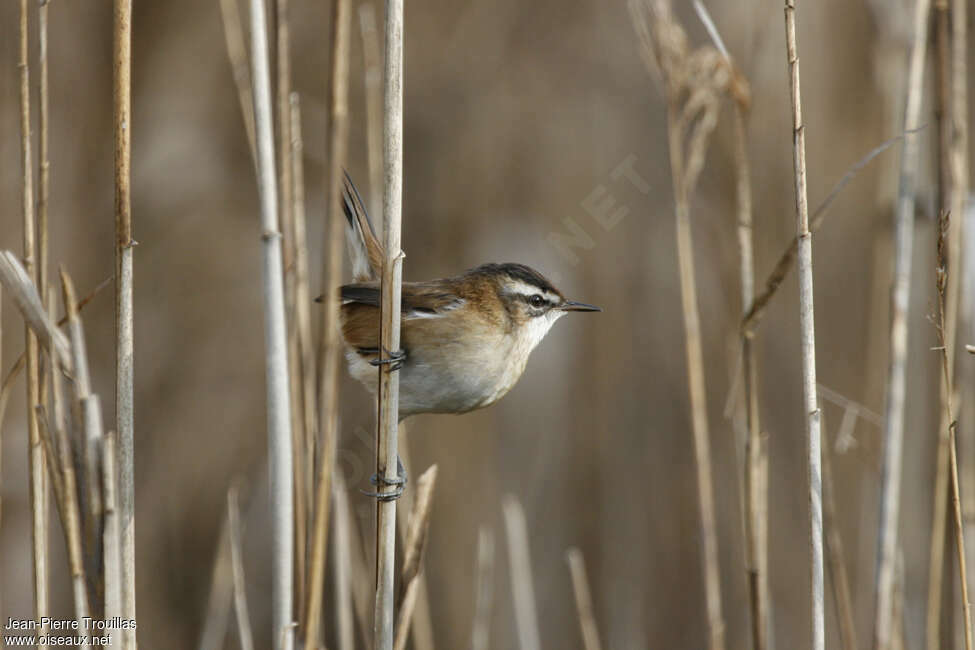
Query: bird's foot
(382, 482)
(393, 359)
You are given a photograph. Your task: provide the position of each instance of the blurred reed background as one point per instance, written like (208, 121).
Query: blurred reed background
(519, 121)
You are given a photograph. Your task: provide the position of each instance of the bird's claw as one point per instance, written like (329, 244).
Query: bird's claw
(393, 359)
(382, 482)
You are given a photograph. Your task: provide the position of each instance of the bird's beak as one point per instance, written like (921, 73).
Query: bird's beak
(571, 305)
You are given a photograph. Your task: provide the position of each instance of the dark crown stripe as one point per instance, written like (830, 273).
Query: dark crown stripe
(520, 272)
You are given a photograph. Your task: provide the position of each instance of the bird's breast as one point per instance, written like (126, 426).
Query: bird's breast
(454, 370)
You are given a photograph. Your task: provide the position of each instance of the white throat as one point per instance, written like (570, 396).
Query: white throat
(532, 332)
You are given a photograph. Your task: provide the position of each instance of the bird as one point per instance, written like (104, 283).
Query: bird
(465, 340)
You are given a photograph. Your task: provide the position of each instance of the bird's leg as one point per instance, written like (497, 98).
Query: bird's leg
(381, 481)
(393, 359)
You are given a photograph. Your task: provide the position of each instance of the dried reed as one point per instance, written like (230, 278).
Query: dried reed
(44, 175)
(18, 366)
(694, 83)
(99, 530)
(756, 453)
(38, 486)
(360, 580)
(236, 536)
(808, 337)
(329, 351)
(233, 30)
(87, 419)
(896, 377)
(580, 585)
(788, 257)
(392, 277)
(124, 338)
(951, 110)
(86, 409)
(60, 464)
(111, 532)
(942, 273)
(299, 436)
(960, 207)
(24, 294)
(839, 576)
(522, 587)
(944, 199)
(342, 565)
(302, 312)
(214, 632)
(484, 590)
(416, 538)
(76, 501)
(421, 625)
(276, 346)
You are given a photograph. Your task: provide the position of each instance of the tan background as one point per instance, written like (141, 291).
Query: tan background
(515, 113)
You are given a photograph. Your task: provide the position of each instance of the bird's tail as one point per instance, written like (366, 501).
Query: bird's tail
(365, 251)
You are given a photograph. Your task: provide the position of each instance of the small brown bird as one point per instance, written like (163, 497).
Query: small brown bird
(465, 340)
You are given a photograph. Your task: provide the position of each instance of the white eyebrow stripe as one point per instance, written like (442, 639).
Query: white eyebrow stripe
(523, 288)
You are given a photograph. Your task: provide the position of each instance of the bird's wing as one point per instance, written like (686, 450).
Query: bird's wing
(365, 251)
(360, 308)
(418, 299)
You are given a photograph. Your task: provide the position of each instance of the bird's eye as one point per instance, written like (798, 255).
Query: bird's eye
(536, 301)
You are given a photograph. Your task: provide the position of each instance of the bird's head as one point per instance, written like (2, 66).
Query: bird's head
(532, 303)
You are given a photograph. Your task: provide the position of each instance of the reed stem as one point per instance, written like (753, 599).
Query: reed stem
(392, 278)
(808, 338)
(897, 369)
(124, 335)
(329, 352)
(35, 452)
(280, 455)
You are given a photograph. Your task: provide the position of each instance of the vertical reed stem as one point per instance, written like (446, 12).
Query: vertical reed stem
(392, 277)
(959, 208)
(835, 556)
(43, 189)
(897, 369)
(329, 351)
(111, 539)
(695, 382)
(942, 275)
(580, 585)
(233, 30)
(286, 216)
(302, 313)
(808, 337)
(242, 612)
(66, 495)
(522, 587)
(38, 484)
(414, 545)
(124, 395)
(947, 201)
(484, 590)
(276, 345)
(421, 623)
(341, 559)
(756, 507)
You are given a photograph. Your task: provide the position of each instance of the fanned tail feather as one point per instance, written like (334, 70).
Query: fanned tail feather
(365, 251)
